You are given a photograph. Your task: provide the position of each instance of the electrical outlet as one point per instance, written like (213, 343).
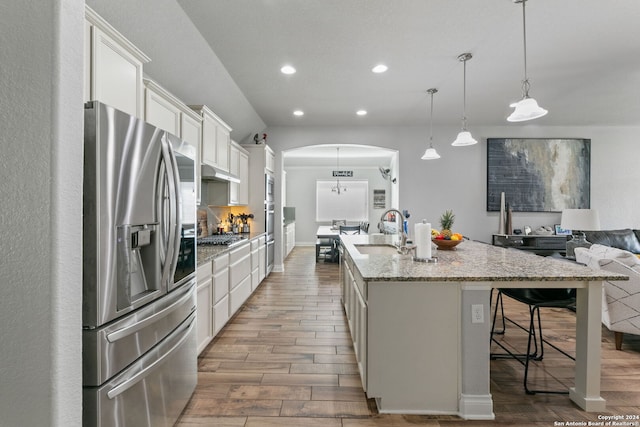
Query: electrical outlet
(477, 313)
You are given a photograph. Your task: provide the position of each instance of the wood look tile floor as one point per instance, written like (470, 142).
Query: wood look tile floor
(286, 359)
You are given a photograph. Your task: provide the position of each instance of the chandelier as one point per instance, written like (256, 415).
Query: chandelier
(338, 188)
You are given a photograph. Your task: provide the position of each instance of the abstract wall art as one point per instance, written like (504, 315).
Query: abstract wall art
(538, 174)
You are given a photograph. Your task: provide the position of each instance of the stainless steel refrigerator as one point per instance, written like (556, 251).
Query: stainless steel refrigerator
(139, 344)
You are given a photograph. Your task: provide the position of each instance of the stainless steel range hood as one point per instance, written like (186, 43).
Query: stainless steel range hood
(211, 173)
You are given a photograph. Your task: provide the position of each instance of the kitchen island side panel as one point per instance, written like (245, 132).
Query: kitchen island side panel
(414, 347)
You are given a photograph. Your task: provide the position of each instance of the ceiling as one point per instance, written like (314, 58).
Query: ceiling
(583, 58)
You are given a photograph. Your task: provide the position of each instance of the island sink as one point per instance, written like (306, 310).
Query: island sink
(377, 249)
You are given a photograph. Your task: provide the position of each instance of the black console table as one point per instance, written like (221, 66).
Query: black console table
(538, 244)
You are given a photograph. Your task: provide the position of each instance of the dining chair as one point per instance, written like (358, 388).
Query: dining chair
(349, 229)
(324, 248)
(335, 223)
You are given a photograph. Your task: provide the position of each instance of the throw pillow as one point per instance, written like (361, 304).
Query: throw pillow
(606, 252)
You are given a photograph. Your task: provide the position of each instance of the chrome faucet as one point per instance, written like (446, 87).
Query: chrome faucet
(402, 243)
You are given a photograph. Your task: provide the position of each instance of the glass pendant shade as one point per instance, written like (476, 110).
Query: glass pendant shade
(464, 138)
(526, 109)
(430, 154)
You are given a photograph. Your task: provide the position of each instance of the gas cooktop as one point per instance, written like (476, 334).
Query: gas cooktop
(220, 239)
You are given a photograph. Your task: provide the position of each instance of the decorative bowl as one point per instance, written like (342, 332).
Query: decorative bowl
(446, 245)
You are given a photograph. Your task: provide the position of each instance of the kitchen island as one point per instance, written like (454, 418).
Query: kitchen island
(418, 347)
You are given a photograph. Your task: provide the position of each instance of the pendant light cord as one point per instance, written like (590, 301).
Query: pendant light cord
(464, 95)
(525, 82)
(464, 58)
(431, 120)
(338, 168)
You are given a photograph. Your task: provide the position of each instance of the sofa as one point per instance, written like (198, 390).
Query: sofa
(620, 299)
(625, 239)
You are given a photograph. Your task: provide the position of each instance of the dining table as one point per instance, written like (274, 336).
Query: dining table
(328, 232)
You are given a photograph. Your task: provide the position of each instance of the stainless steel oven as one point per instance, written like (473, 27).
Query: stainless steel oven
(270, 221)
(269, 188)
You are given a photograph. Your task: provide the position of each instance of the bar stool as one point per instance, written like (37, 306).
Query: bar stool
(535, 299)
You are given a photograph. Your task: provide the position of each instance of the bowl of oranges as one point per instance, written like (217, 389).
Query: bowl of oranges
(445, 239)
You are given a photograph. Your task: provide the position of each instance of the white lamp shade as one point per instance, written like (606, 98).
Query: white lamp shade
(430, 154)
(464, 138)
(580, 219)
(526, 109)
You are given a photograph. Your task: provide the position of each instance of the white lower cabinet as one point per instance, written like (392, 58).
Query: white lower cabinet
(239, 294)
(255, 263)
(221, 313)
(204, 314)
(220, 291)
(224, 284)
(289, 238)
(239, 276)
(355, 306)
(262, 257)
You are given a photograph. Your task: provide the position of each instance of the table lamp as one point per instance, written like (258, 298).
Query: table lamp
(579, 220)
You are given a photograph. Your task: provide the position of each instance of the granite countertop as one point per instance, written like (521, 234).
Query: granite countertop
(206, 253)
(471, 261)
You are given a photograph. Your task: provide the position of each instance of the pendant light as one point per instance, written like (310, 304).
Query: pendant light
(464, 137)
(431, 153)
(338, 189)
(527, 108)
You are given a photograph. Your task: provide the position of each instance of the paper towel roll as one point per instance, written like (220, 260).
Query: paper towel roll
(423, 239)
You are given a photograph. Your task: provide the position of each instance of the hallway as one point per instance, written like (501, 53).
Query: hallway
(286, 359)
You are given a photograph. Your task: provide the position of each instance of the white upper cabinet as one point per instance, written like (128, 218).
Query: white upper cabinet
(113, 67)
(162, 109)
(223, 142)
(167, 112)
(234, 159)
(222, 193)
(216, 138)
(270, 159)
(234, 169)
(243, 194)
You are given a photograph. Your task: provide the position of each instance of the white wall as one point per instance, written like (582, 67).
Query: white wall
(301, 193)
(41, 82)
(458, 180)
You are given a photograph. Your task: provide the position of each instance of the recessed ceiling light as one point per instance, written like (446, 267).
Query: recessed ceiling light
(287, 69)
(380, 68)
(361, 112)
(298, 113)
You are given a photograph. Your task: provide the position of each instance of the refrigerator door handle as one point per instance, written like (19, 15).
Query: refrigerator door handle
(131, 329)
(169, 207)
(177, 218)
(130, 382)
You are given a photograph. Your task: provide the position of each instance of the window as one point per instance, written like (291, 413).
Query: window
(352, 204)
